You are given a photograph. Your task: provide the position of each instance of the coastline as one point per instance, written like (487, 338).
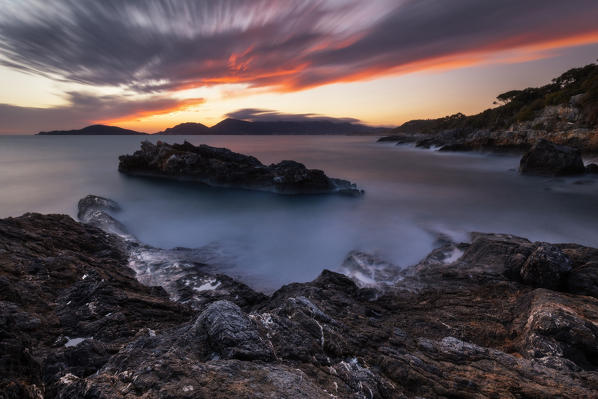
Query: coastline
(485, 311)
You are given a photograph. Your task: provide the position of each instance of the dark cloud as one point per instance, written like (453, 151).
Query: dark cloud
(267, 115)
(164, 45)
(83, 109)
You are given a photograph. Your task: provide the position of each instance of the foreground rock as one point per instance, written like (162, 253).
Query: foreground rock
(221, 167)
(548, 159)
(68, 303)
(487, 322)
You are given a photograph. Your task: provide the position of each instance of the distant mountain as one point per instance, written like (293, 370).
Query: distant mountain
(242, 127)
(188, 128)
(93, 130)
(236, 126)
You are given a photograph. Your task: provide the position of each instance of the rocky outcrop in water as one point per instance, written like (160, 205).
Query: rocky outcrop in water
(497, 317)
(511, 140)
(221, 167)
(548, 159)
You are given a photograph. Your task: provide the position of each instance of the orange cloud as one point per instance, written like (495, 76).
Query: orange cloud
(146, 113)
(512, 50)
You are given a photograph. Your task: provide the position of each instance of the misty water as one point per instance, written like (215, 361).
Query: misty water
(412, 196)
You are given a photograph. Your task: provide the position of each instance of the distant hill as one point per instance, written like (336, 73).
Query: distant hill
(93, 130)
(242, 127)
(188, 128)
(236, 126)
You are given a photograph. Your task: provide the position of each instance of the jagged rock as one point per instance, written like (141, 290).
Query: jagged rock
(231, 334)
(546, 267)
(368, 270)
(583, 280)
(60, 278)
(93, 210)
(558, 327)
(221, 167)
(546, 158)
(74, 323)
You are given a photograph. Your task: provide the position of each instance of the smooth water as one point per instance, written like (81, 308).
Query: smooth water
(411, 196)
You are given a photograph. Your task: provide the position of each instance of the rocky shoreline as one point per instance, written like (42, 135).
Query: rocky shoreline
(499, 316)
(221, 167)
(585, 140)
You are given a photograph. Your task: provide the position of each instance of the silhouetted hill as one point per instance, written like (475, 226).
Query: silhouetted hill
(236, 126)
(93, 130)
(242, 127)
(188, 128)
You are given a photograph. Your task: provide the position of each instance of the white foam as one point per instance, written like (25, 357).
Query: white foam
(209, 285)
(75, 341)
(454, 255)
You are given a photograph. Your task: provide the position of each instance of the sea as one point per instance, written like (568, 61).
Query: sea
(413, 198)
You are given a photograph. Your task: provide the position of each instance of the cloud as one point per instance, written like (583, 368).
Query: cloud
(160, 46)
(266, 115)
(83, 109)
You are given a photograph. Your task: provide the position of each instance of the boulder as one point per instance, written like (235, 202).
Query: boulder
(592, 168)
(93, 210)
(583, 280)
(546, 267)
(221, 167)
(230, 333)
(548, 159)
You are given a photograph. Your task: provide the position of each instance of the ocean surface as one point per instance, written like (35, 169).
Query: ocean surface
(412, 197)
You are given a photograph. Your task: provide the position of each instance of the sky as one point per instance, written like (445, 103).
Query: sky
(148, 65)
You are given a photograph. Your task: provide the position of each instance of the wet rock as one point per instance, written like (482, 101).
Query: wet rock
(546, 267)
(583, 280)
(221, 167)
(557, 327)
(230, 333)
(368, 270)
(93, 210)
(74, 323)
(61, 278)
(549, 159)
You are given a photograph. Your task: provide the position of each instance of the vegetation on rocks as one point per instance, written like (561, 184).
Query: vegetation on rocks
(577, 85)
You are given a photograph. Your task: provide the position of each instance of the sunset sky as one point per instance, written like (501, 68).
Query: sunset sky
(148, 65)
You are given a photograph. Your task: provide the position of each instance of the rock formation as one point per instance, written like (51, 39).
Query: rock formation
(221, 167)
(548, 159)
(505, 317)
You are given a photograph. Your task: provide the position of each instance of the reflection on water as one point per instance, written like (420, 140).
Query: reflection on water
(411, 197)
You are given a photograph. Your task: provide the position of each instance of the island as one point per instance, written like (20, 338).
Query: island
(94, 130)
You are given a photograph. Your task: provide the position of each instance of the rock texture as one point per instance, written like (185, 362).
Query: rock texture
(68, 303)
(549, 159)
(478, 324)
(221, 167)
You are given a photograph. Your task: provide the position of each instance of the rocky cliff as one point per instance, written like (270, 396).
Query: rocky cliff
(564, 112)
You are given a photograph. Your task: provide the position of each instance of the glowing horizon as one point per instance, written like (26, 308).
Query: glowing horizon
(151, 65)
